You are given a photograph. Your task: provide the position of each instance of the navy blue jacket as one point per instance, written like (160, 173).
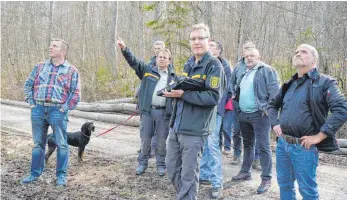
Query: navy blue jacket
(149, 75)
(227, 93)
(324, 95)
(198, 116)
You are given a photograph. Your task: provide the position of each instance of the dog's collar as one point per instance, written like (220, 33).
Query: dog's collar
(85, 134)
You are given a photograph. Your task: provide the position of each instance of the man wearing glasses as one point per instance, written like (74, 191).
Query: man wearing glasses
(194, 115)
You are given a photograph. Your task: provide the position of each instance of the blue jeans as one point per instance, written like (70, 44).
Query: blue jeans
(294, 162)
(228, 121)
(211, 162)
(41, 118)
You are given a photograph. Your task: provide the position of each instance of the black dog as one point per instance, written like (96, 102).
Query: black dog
(77, 139)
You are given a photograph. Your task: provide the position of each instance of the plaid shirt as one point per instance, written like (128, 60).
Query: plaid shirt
(55, 84)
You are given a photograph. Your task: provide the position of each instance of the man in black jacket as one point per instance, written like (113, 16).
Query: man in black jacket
(194, 115)
(304, 126)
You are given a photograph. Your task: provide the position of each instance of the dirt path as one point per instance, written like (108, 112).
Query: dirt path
(109, 168)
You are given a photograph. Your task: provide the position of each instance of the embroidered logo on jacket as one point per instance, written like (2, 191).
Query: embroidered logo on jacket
(214, 82)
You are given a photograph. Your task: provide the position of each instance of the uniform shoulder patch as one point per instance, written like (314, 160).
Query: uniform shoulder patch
(214, 82)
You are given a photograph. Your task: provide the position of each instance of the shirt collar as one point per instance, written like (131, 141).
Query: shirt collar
(192, 59)
(65, 64)
(255, 67)
(163, 70)
(310, 74)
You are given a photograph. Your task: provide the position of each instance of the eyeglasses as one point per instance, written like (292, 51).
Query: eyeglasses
(200, 39)
(163, 57)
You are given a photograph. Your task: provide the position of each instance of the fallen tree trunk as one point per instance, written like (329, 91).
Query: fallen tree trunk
(110, 118)
(114, 101)
(126, 108)
(342, 143)
(14, 103)
(340, 151)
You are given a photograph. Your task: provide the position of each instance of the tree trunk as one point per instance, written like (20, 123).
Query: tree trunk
(110, 118)
(208, 16)
(50, 23)
(126, 108)
(113, 46)
(114, 101)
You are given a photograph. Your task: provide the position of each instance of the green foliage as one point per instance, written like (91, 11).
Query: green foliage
(152, 24)
(170, 22)
(155, 25)
(284, 69)
(184, 43)
(149, 7)
(103, 76)
(179, 63)
(308, 36)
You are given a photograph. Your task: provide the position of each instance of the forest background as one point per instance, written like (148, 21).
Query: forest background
(90, 28)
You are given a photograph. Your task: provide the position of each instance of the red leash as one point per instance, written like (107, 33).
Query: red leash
(117, 125)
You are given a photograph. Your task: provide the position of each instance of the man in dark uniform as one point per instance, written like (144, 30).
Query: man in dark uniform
(158, 45)
(304, 127)
(155, 110)
(194, 115)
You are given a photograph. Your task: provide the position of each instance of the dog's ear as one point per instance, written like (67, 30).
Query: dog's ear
(84, 127)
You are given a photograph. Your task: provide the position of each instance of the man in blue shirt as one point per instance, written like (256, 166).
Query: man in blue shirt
(304, 126)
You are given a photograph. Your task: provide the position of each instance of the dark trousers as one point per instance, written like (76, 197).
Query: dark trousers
(150, 124)
(182, 162)
(256, 126)
(237, 137)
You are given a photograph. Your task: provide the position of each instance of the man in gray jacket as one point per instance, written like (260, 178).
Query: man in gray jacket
(254, 89)
(239, 69)
(194, 115)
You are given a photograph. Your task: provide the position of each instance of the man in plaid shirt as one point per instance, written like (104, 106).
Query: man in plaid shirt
(52, 89)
